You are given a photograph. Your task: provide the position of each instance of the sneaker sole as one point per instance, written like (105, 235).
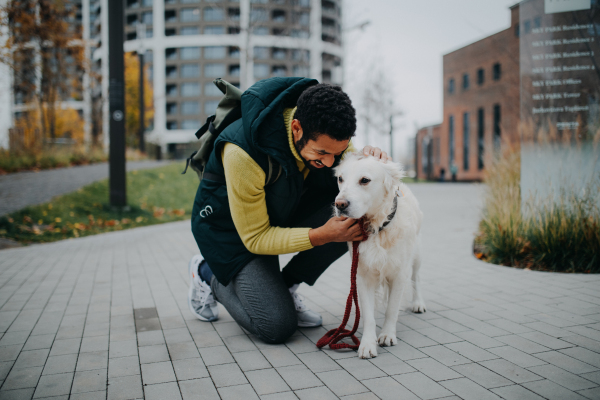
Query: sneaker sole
(308, 325)
(191, 289)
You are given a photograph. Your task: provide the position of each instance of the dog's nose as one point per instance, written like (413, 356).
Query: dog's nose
(341, 204)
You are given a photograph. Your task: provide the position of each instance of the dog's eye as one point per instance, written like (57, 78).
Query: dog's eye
(364, 181)
(340, 180)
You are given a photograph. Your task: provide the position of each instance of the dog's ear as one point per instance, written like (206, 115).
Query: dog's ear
(393, 176)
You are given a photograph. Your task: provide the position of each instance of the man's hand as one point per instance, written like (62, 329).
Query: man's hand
(337, 229)
(377, 153)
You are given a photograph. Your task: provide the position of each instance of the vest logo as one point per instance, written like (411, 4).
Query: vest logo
(556, 6)
(206, 212)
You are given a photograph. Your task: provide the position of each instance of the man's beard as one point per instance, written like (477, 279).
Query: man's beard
(299, 145)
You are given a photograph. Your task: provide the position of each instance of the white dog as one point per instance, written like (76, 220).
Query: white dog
(373, 189)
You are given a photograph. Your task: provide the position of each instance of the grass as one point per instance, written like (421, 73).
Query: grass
(49, 157)
(154, 196)
(561, 235)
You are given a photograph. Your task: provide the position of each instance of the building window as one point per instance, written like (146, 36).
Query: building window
(451, 138)
(210, 89)
(233, 14)
(527, 27)
(451, 86)
(189, 53)
(189, 15)
(189, 30)
(189, 124)
(214, 70)
(234, 70)
(189, 1)
(171, 71)
(147, 17)
(170, 16)
(261, 53)
(278, 16)
(171, 54)
(537, 22)
(496, 71)
(210, 107)
(171, 90)
(465, 84)
(190, 108)
(190, 89)
(279, 54)
(171, 125)
(190, 71)
(214, 14)
(497, 132)
(149, 33)
(466, 141)
(234, 52)
(280, 70)
(300, 55)
(132, 19)
(300, 70)
(131, 36)
(261, 70)
(299, 33)
(480, 138)
(132, 4)
(170, 32)
(301, 18)
(214, 30)
(171, 108)
(425, 154)
(301, 3)
(517, 30)
(233, 30)
(480, 76)
(259, 15)
(260, 31)
(259, 1)
(214, 52)
(147, 3)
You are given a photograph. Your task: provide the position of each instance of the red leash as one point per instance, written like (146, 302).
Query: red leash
(332, 337)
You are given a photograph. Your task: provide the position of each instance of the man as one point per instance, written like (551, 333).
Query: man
(243, 218)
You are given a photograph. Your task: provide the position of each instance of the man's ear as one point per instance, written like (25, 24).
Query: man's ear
(296, 130)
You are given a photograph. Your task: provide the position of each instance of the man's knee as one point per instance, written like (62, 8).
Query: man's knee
(278, 329)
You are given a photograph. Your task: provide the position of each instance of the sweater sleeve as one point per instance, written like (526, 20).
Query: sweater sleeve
(246, 191)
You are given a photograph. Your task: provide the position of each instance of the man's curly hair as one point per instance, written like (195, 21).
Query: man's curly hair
(325, 109)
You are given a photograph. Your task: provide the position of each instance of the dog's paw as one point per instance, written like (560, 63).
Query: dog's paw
(419, 306)
(387, 339)
(367, 350)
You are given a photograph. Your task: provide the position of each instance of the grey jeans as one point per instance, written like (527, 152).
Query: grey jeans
(258, 297)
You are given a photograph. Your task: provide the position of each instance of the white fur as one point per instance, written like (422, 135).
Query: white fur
(389, 259)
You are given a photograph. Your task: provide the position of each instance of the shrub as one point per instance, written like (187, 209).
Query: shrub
(552, 234)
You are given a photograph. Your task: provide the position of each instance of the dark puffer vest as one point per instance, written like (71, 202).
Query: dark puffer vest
(261, 132)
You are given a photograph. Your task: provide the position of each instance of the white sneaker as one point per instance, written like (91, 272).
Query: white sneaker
(306, 317)
(200, 298)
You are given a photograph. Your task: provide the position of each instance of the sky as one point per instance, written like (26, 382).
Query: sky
(406, 40)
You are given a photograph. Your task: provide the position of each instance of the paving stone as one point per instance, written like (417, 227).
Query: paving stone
(510, 371)
(361, 369)
(280, 356)
(416, 339)
(592, 376)
(22, 378)
(54, 385)
(94, 343)
(562, 377)
(32, 358)
(152, 354)
(123, 348)
(546, 340)
(341, 382)
(18, 394)
(89, 381)
(361, 396)
(208, 339)
(239, 343)
(216, 355)
(318, 362)
(516, 392)
(99, 395)
(237, 392)
(388, 388)
(468, 390)
(125, 387)
(267, 381)
(251, 360)
(227, 375)
(10, 353)
(422, 386)
(199, 388)
(162, 391)
(445, 355)
(150, 338)
(190, 368)
(471, 351)
(481, 375)
(280, 396)
(434, 369)
(123, 366)
(551, 391)
(583, 355)
(404, 351)
(5, 369)
(159, 372)
(178, 335)
(439, 335)
(94, 360)
(516, 356)
(591, 393)
(318, 393)
(390, 364)
(39, 342)
(299, 377)
(567, 363)
(479, 339)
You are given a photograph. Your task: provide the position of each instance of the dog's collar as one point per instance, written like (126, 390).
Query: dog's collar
(391, 216)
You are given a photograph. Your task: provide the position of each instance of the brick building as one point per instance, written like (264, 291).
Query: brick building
(481, 107)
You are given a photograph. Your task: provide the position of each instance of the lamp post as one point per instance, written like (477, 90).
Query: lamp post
(141, 34)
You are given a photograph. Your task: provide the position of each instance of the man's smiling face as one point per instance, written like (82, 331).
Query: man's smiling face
(320, 152)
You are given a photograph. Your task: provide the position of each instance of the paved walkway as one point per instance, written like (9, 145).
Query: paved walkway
(106, 317)
(23, 189)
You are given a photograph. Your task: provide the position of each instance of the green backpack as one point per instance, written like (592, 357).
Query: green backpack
(228, 111)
